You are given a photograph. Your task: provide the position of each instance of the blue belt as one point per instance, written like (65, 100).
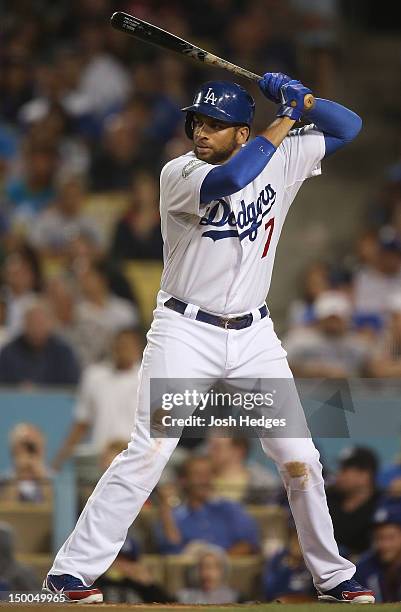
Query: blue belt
(224, 322)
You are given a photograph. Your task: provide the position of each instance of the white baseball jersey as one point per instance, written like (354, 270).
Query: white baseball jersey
(220, 255)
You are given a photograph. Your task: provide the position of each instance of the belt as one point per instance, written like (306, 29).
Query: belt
(224, 322)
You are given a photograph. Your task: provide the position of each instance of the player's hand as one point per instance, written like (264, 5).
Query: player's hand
(293, 100)
(271, 83)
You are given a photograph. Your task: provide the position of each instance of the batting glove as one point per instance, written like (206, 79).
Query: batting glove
(292, 100)
(271, 83)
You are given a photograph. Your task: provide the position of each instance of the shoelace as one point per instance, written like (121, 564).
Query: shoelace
(69, 583)
(353, 583)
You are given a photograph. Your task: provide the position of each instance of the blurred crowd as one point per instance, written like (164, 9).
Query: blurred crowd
(215, 505)
(87, 112)
(347, 323)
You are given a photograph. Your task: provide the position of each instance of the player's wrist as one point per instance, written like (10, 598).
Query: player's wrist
(294, 114)
(294, 97)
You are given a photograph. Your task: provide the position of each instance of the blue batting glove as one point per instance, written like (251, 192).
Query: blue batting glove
(271, 83)
(292, 100)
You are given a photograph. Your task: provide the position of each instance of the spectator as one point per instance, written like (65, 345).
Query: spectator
(381, 567)
(315, 282)
(216, 521)
(166, 113)
(55, 88)
(53, 126)
(14, 576)
(330, 350)
(285, 575)
(22, 280)
(209, 582)
(34, 189)
(353, 499)
(367, 248)
(16, 85)
(130, 580)
(248, 34)
(64, 308)
(317, 37)
(29, 480)
(233, 477)
(137, 234)
(70, 325)
(104, 81)
(37, 356)
(375, 286)
(100, 312)
(3, 329)
(56, 226)
(107, 400)
(390, 478)
(120, 151)
(83, 252)
(386, 359)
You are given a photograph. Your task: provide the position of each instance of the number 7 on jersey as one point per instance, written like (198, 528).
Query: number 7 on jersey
(269, 228)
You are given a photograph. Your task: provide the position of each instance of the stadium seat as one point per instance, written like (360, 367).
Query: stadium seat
(106, 209)
(144, 525)
(144, 277)
(157, 566)
(272, 521)
(40, 564)
(32, 524)
(242, 572)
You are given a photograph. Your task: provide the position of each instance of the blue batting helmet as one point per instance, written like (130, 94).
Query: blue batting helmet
(222, 100)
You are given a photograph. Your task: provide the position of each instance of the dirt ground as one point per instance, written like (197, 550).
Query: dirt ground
(262, 607)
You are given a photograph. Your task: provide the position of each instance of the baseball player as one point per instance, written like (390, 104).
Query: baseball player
(222, 208)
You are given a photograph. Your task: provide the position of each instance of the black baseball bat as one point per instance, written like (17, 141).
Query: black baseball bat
(161, 38)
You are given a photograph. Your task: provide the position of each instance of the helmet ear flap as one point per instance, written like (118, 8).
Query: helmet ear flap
(189, 125)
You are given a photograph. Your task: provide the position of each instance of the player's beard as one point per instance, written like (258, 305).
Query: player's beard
(214, 156)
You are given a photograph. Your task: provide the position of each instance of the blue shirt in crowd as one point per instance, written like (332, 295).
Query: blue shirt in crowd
(279, 578)
(390, 473)
(220, 522)
(374, 575)
(53, 364)
(20, 195)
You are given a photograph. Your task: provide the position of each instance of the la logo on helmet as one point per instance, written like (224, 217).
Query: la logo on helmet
(210, 97)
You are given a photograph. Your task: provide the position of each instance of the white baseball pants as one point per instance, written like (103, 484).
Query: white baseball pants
(181, 347)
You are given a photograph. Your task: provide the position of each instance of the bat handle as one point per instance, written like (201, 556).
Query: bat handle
(309, 102)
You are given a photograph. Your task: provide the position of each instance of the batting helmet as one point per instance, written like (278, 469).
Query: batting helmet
(222, 100)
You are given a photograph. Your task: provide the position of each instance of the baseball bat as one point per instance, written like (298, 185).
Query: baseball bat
(156, 36)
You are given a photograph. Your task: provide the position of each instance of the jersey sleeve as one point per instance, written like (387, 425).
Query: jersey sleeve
(180, 184)
(303, 149)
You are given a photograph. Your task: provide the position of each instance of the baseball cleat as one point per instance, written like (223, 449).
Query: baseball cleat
(349, 591)
(72, 588)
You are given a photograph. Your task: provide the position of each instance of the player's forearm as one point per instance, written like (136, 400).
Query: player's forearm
(339, 124)
(278, 130)
(239, 171)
